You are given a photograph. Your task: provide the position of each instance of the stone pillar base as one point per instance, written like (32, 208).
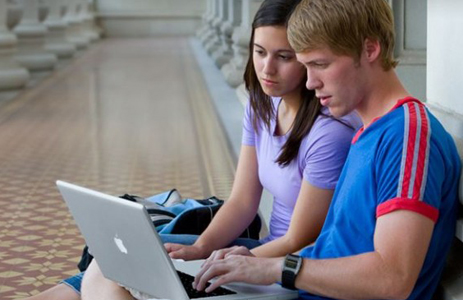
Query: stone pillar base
(92, 36)
(33, 56)
(221, 57)
(224, 53)
(234, 70)
(56, 40)
(88, 30)
(212, 45)
(12, 79)
(12, 75)
(98, 30)
(61, 50)
(79, 43)
(31, 42)
(75, 36)
(233, 74)
(37, 62)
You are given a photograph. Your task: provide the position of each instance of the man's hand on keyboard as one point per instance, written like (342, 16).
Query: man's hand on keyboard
(224, 253)
(238, 268)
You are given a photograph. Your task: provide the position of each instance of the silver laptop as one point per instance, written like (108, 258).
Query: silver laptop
(128, 249)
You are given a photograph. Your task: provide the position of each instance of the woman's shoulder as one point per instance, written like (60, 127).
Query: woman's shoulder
(328, 130)
(350, 122)
(353, 119)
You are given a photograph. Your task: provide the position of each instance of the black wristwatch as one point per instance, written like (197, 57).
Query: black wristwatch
(291, 266)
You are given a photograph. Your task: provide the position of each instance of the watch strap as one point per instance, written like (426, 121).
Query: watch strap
(291, 266)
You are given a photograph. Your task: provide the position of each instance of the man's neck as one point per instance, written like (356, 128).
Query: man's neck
(386, 90)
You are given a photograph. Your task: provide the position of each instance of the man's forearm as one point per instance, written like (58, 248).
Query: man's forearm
(364, 276)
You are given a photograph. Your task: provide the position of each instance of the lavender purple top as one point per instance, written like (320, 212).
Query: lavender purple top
(320, 159)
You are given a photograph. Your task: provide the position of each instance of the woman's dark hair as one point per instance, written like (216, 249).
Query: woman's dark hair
(277, 13)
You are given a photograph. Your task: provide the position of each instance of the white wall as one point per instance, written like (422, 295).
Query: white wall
(445, 55)
(135, 18)
(444, 94)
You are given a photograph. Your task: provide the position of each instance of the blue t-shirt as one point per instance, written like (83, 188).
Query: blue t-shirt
(403, 160)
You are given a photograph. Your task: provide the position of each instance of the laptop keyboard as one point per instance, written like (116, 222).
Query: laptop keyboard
(187, 281)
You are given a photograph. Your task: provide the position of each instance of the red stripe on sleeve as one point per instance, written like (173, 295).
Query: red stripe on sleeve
(422, 154)
(410, 150)
(408, 204)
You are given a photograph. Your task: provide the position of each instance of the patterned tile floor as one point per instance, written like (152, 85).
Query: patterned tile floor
(126, 116)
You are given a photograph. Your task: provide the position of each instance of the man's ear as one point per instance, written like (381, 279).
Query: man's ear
(371, 49)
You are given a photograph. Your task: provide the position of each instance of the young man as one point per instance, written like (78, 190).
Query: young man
(392, 218)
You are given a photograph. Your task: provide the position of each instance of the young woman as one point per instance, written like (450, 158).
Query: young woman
(291, 146)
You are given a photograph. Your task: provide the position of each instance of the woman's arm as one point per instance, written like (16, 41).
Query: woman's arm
(235, 215)
(306, 222)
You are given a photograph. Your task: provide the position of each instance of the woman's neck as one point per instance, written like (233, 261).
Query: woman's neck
(291, 102)
(287, 111)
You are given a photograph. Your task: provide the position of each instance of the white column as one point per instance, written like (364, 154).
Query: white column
(92, 11)
(210, 28)
(234, 70)
(56, 41)
(87, 20)
(214, 42)
(31, 40)
(12, 76)
(225, 52)
(15, 11)
(74, 29)
(204, 19)
(43, 10)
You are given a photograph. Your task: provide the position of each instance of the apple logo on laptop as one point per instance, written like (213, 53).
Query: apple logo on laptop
(120, 244)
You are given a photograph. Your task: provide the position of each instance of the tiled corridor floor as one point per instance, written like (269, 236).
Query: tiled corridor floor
(128, 116)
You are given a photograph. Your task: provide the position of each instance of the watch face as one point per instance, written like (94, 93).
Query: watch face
(291, 263)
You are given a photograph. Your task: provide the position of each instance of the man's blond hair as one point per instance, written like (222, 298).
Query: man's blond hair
(343, 26)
